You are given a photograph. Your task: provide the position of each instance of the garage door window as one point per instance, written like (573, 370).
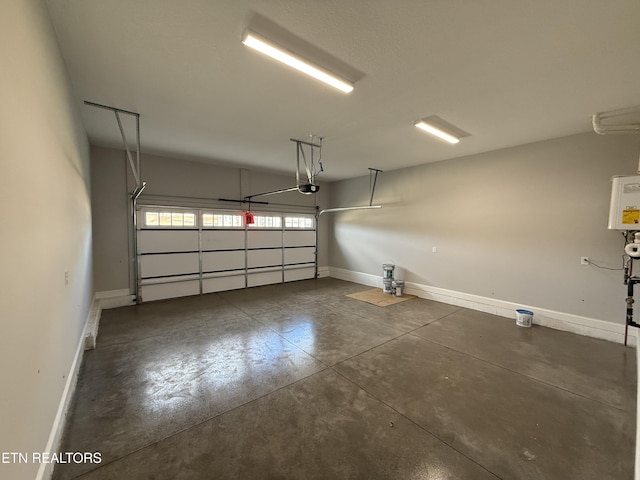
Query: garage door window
(165, 219)
(298, 222)
(221, 220)
(266, 221)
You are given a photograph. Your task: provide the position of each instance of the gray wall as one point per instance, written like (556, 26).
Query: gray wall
(508, 225)
(173, 181)
(45, 233)
(110, 211)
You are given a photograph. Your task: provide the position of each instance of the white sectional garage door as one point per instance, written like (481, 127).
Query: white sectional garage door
(193, 251)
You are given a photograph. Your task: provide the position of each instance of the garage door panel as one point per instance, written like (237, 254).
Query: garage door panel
(295, 274)
(264, 278)
(299, 255)
(294, 238)
(175, 261)
(152, 241)
(222, 283)
(262, 239)
(166, 265)
(263, 258)
(217, 261)
(222, 239)
(169, 290)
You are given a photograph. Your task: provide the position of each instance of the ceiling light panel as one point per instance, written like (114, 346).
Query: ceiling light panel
(442, 129)
(273, 50)
(437, 132)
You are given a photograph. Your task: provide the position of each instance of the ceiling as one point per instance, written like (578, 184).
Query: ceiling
(507, 72)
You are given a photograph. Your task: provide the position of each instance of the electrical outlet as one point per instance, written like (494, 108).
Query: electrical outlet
(434, 249)
(584, 260)
(66, 278)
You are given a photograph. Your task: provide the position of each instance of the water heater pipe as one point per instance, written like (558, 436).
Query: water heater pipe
(630, 302)
(631, 127)
(601, 129)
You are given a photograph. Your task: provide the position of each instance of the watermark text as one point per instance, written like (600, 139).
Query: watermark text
(50, 457)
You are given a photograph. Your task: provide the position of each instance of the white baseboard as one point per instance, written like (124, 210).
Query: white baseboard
(115, 298)
(103, 300)
(323, 272)
(357, 277)
(93, 321)
(45, 471)
(591, 327)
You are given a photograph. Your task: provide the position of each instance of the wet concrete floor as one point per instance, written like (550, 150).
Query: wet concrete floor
(298, 381)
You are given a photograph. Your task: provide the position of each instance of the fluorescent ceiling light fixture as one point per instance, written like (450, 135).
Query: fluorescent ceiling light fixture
(261, 44)
(437, 132)
(441, 129)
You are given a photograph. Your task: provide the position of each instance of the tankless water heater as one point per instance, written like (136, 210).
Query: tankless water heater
(624, 212)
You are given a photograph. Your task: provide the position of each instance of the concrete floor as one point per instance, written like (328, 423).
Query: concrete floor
(298, 381)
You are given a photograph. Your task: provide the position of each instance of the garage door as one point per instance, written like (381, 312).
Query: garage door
(193, 251)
